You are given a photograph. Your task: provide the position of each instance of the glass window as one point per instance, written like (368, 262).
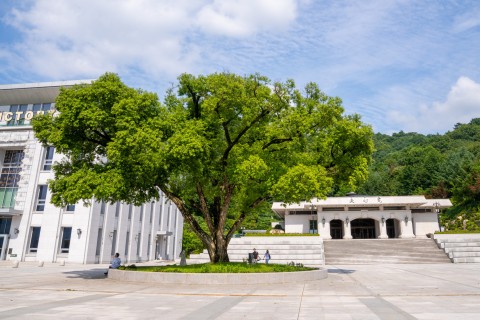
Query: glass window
(117, 210)
(151, 212)
(34, 237)
(141, 212)
(18, 114)
(66, 235)
(41, 197)
(47, 163)
(41, 108)
(114, 242)
(10, 176)
(148, 246)
(99, 241)
(127, 243)
(130, 209)
(313, 226)
(70, 208)
(102, 207)
(139, 239)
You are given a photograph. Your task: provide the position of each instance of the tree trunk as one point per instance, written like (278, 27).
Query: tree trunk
(217, 251)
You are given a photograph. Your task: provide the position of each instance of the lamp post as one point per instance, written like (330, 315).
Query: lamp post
(436, 206)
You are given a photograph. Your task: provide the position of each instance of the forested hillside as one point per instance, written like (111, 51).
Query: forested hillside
(437, 166)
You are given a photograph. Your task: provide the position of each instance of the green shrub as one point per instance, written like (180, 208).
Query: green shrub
(282, 235)
(227, 267)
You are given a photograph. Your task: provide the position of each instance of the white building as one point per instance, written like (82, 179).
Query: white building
(32, 229)
(363, 217)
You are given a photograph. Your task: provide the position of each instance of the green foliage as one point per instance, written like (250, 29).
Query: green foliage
(437, 166)
(281, 235)
(232, 267)
(220, 148)
(190, 242)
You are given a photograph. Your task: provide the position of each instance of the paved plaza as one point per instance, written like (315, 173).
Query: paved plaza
(438, 291)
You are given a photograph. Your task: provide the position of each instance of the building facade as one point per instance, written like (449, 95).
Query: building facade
(364, 217)
(33, 229)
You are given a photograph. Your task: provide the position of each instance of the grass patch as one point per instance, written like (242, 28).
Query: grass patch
(282, 234)
(227, 267)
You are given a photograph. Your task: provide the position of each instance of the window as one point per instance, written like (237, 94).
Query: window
(141, 212)
(151, 212)
(17, 114)
(99, 241)
(139, 239)
(5, 224)
(127, 243)
(41, 108)
(41, 197)
(70, 208)
(34, 237)
(114, 242)
(102, 207)
(313, 227)
(130, 208)
(10, 176)
(148, 245)
(47, 163)
(65, 243)
(117, 210)
(160, 212)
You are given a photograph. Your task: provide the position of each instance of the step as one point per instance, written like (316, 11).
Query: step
(466, 260)
(456, 254)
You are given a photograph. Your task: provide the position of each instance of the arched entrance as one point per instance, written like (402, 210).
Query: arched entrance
(363, 229)
(392, 228)
(336, 229)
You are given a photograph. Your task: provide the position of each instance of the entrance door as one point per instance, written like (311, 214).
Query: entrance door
(391, 228)
(336, 229)
(3, 246)
(363, 229)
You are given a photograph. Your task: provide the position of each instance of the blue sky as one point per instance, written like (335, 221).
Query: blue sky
(400, 64)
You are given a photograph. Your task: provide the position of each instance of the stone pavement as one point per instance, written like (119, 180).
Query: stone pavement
(436, 291)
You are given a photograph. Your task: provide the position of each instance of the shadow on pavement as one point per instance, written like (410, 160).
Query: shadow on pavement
(86, 274)
(342, 271)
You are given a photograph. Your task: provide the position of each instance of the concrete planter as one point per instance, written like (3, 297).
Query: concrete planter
(218, 278)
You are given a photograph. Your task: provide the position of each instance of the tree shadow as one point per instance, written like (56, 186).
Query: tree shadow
(341, 271)
(87, 274)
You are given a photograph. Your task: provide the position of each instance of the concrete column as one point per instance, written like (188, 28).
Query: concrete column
(406, 229)
(325, 233)
(383, 230)
(347, 230)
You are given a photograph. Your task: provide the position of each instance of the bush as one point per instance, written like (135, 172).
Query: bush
(227, 267)
(282, 234)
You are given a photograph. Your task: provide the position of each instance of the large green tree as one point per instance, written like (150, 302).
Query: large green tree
(219, 147)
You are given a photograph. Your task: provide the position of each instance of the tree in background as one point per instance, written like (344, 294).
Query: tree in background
(219, 148)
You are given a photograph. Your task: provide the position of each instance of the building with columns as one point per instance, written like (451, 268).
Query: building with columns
(363, 217)
(33, 229)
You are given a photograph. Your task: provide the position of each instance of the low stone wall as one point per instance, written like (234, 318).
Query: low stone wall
(218, 278)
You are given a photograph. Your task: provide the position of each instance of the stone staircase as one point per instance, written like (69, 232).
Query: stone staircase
(383, 251)
(460, 248)
(305, 250)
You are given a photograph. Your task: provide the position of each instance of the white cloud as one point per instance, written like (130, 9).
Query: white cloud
(84, 38)
(241, 18)
(460, 106)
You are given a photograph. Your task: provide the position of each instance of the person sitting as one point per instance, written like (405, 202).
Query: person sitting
(255, 255)
(116, 262)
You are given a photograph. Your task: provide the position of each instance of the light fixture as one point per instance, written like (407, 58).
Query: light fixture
(16, 231)
(347, 221)
(323, 221)
(383, 220)
(79, 232)
(437, 207)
